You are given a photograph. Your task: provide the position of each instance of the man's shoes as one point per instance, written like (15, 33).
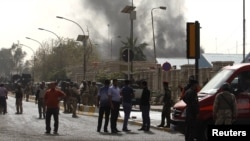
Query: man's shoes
(117, 130)
(98, 130)
(147, 129)
(113, 132)
(55, 133)
(167, 126)
(106, 131)
(47, 132)
(74, 116)
(160, 125)
(126, 130)
(141, 129)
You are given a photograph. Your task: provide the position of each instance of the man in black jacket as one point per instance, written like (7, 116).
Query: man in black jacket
(192, 110)
(145, 107)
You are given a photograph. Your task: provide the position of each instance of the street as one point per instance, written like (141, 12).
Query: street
(27, 126)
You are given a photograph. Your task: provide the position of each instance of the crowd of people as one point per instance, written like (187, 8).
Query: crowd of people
(110, 97)
(107, 98)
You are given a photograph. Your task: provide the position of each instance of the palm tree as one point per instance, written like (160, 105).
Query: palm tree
(137, 49)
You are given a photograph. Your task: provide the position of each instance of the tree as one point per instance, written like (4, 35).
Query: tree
(11, 59)
(137, 49)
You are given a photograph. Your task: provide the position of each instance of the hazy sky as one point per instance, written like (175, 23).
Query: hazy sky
(221, 23)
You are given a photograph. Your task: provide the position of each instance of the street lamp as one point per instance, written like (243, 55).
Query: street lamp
(60, 52)
(130, 10)
(34, 40)
(158, 71)
(82, 38)
(52, 33)
(43, 52)
(33, 60)
(163, 8)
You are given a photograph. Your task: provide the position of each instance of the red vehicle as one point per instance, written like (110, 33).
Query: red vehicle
(238, 76)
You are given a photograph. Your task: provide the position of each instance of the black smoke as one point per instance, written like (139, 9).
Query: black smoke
(169, 25)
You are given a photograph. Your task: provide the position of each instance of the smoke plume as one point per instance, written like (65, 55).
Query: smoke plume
(107, 23)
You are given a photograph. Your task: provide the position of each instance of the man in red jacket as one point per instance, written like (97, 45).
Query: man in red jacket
(52, 98)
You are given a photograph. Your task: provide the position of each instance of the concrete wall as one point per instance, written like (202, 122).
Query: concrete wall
(155, 75)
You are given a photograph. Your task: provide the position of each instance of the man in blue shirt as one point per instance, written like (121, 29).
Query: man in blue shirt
(127, 94)
(104, 106)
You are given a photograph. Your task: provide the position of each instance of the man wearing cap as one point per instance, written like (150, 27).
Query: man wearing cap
(167, 103)
(52, 98)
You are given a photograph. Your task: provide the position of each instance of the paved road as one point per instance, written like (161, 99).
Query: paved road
(27, 127)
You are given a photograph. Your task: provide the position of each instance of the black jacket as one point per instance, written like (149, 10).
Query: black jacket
(145, 97)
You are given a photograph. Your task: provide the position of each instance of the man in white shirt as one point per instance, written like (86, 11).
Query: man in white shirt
(114, 99)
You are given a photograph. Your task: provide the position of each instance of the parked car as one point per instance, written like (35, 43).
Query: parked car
(236, 75)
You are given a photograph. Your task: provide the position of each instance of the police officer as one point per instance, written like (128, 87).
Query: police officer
(224, 110)
(93, 91)
(166, 110)
(74, 94)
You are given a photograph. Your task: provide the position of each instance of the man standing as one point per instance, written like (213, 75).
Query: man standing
(166, 110)
(224, 110)
(28, 91)
(65, 89)
(74, 94)
(3, 97)
(52, 98)
(104, 106)
(192, 110)
(40, 101)
(93, 91)
(114, 99)
(145, 107)
(127, 94)
(19, 99)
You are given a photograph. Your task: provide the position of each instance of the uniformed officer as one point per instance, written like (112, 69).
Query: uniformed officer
(167, 103)
(74, 94)
(224, 110)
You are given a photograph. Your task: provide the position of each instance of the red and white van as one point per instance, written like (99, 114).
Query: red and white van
(238, 76)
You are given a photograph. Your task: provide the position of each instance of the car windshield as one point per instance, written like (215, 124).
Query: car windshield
(215, 83)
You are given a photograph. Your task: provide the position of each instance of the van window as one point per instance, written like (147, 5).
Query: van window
(216, 82)
(244, 81)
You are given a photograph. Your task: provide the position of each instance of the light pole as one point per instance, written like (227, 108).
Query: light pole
(110, 43)
(158, 69)
(82, 38)
(52, 33)
(43, 54)
(244, 32)
(34, 40)
(130, 10)
(33, 60)
(163, 8)
(60, 52)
